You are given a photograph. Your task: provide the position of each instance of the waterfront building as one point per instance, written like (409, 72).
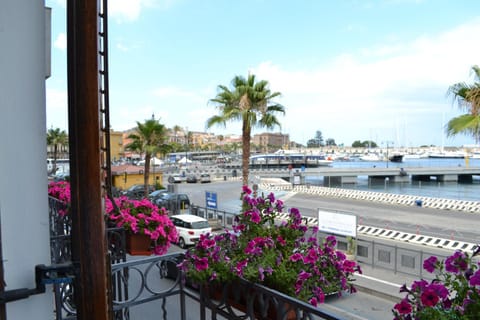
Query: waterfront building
(270, 142)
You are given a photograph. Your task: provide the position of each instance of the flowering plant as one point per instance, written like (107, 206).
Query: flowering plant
(285, 256)
(142, 216)
(137, 216)
(454, 293)
(60, 190)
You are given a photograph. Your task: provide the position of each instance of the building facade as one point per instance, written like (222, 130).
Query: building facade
(270, 142)
(25, 235)
(117, 150)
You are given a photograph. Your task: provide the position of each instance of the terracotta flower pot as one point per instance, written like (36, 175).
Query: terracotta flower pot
(236, 295)
(138, 244)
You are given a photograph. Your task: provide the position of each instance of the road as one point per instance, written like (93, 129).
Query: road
(431, 222)
(439, 223)
(359, 306)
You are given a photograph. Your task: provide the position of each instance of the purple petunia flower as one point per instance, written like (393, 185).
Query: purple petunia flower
(246, 189)
(201, 264)
(261, 275)
(419, 285)
(475, 279)
(255, 217)
(430, 263)
(311, 256)
(331, 241)
(429, 298)
(440, 289)
(271, 197)
(456, 262)
(403, 307)
(296, 256)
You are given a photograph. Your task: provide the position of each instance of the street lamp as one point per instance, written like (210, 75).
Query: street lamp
(388, 143)
(186, 145)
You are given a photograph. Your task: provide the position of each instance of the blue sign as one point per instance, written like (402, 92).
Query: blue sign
(211, 199)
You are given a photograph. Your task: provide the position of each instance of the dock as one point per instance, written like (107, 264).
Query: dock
(342, 176)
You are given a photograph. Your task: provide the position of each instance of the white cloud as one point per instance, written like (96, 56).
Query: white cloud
(373, 88)
(61, 41)
(130, 10)
(57, 108)
(394, 91)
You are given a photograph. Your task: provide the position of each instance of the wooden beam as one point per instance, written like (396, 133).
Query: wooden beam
(88, 226)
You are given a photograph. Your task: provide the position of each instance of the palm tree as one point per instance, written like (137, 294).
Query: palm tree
(249, 102)
(148, 138)
(468, 99)
(176, 129)
(56, 138)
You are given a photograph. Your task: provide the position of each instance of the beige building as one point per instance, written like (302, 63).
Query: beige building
(270, 142)
(124, 176)
(116, 145)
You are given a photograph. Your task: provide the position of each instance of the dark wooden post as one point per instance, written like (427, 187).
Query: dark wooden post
(88, 226)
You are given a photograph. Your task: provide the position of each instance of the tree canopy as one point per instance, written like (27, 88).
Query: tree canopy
(316, 141)
(364, 144)
(56, 138)
(148, 139)
(467, 97)
(250, 102)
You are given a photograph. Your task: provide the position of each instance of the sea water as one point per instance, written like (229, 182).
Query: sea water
(447, 190)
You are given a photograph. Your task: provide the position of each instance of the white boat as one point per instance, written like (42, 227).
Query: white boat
(289, 160)
(410, 156)
(447, 155)
(372, 157)
(474, 155)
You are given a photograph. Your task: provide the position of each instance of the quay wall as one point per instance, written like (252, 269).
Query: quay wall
(398, 199)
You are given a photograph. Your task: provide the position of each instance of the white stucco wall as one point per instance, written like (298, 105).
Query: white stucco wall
(23, 176)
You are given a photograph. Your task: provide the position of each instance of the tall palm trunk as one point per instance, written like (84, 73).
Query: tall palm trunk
(245, 152)
(146, 175)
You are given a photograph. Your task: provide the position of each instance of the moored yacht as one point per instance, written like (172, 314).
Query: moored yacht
(289, 159)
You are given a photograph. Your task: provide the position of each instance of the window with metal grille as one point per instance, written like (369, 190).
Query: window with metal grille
(408, 261)
(362, 251)
(384, 256)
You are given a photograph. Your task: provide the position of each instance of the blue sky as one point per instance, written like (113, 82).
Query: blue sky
(355, 70)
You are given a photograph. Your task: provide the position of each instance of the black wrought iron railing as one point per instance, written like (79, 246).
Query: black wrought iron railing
(154, 287)
(60, 249)
(158, 279)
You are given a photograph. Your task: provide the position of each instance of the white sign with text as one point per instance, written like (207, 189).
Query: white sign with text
(337, 223)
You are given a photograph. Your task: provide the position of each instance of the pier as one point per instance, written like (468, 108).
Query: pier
(350, 175)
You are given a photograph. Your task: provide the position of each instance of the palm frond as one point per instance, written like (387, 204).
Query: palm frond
(466, 123)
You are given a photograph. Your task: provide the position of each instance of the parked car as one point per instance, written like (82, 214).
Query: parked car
(62, 176)
(175, 203)
(191, 178)
(137, 191)
(176, 178)
(189, 228)
(156, 194)
(205, 178)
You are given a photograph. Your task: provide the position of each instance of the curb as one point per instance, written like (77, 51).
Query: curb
(379, 288)
(389, 198)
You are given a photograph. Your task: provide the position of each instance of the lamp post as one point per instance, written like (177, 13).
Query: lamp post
(186, 145)
(387, 143)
